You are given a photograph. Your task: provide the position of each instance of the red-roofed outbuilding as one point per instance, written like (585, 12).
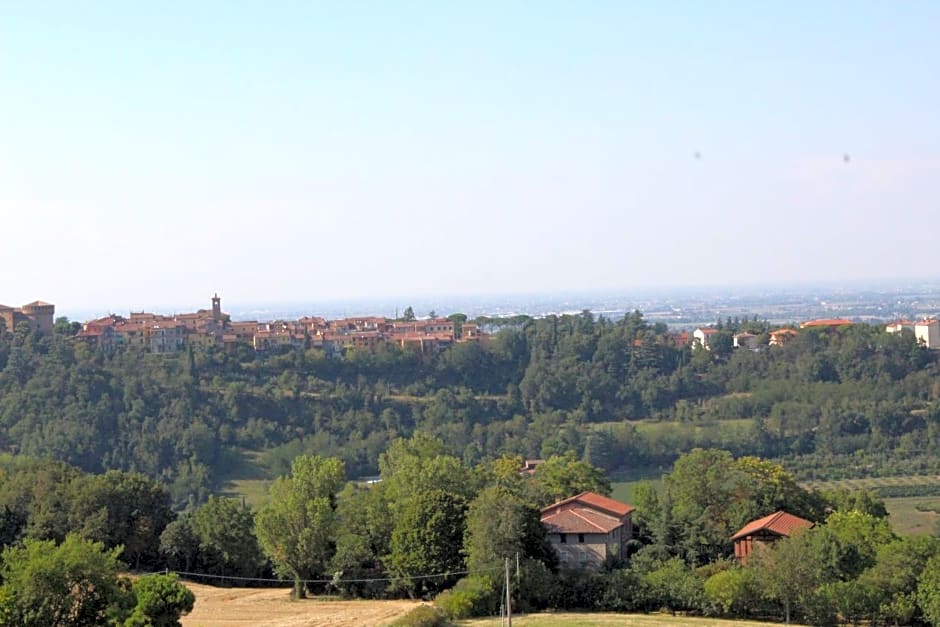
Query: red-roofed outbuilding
(766, 530)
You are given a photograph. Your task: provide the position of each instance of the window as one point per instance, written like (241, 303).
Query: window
(580, 538)
(564, 538)
(582, 556)
(563, 556)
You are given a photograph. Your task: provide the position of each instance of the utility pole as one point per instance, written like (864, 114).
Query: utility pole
(508, 598)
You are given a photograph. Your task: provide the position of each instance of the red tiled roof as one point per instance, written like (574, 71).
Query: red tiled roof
(708, 330)
(784, 332)
(597, 501)
(780, 523)
(580, 520)
(828, 322)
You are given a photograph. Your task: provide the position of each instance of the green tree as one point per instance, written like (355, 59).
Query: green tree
(729, 591)
(928, 590)
(788, 572)
(297, 528)
(161, 600)
(427, 540)
(122, 509)
(74, 584)
(894, 576)
(562, 476)
(408, 315)
(227, 541)
(500, 524)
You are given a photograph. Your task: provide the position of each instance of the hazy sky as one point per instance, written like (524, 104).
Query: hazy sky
(155, 153)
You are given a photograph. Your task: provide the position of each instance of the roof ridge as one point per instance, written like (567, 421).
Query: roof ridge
(585, 519)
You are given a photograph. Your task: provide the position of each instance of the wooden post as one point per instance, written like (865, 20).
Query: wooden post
(508, 597)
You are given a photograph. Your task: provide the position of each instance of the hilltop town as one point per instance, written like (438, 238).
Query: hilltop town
(213, 328)
(205, 328)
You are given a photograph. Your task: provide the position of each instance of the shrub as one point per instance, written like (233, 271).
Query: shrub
(423, 616)
(620, 592)
(538, 588)
(472, 596)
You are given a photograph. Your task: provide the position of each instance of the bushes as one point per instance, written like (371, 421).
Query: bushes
(423, 616)
(475, 595)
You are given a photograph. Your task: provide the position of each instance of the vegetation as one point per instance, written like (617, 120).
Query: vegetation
(854, 401)
(76, 584)
(112, 460)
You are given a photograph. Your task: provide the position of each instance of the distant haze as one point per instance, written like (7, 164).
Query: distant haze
(322, 152)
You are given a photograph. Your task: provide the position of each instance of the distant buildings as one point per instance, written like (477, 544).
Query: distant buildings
(207, 328)
(702, 337)
(38, 315)
(926, 331)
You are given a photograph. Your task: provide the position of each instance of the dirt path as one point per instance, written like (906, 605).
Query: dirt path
(234, 607)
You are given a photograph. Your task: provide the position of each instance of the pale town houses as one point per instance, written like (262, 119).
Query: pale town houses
(161, 334)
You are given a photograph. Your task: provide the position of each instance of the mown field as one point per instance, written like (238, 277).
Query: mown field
(266, 607)
(601, 619)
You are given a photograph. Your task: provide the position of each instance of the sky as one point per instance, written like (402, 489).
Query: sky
(152, 154)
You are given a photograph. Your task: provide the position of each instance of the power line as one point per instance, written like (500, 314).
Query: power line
(362, 580)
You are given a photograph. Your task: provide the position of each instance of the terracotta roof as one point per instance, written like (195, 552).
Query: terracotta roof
(596, 501)
(925, 322)
(828, 322)
(784, 332)
(580, 520)
(708, 330)
(38, 303)
(780, 523)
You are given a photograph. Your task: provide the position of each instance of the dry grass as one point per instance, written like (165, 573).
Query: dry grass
(266, 607)
(601, 619)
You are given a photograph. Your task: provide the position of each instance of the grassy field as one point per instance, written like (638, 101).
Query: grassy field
(248, 479)
(907, 519)
(601, 619)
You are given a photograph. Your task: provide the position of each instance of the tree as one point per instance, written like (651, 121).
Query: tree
(179, 545)
(227, 542)
(928, 590)
(74, 584)
(427, 540)
(500, 525)
(894, 576)
(788, 571)
(122, 509)
(562, 476)
(297, 528)
(408, 315)
(161, 600)
(729, 590)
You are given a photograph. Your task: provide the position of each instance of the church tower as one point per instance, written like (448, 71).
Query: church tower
(216, 307)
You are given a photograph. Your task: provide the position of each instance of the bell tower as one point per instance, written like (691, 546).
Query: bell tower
(216, 307)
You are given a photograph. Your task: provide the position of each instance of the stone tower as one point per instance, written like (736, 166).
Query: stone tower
(216, 307)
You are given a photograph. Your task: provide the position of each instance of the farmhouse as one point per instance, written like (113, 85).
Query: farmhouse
(587, 529)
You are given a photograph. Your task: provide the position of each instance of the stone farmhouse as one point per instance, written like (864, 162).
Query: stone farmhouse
(588, 529)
